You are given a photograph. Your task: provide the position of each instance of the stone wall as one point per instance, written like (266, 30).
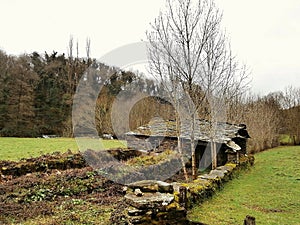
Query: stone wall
(160, 144)
(157, 202)
(149, 143)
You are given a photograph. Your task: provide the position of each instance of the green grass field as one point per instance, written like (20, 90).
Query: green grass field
(270, 191)
(18, 148)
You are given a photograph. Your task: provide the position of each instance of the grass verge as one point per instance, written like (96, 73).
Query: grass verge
(270, 192)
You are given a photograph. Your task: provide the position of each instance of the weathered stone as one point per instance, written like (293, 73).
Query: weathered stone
(215, 174)
(165, 187)
(152, 186)
(208, 176)
(138, 192)
(166, 208)
(149, 200)
(146, 186)
(218, 173)
(124, 190)
(176, 186)
(139, 220)
(136, 212)
(227, 167)
(202, 181)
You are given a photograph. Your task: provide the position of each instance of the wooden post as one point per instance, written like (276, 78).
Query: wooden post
(249, 220)
(182, 196)
(238, 157)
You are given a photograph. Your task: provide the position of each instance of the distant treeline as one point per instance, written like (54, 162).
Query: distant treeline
(37, 90)
(36, 93)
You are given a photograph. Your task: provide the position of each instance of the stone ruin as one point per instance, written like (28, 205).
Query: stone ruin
(156, 202)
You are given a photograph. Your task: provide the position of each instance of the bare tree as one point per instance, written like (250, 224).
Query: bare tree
(291, 105)
(88, 49)
(70, 47)
(77, 50)
(189, 50)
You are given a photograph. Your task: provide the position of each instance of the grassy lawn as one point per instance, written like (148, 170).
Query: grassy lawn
(18, 148)
(270, 192)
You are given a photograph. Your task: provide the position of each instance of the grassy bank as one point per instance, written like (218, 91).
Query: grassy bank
(270, 191)
(18, 148)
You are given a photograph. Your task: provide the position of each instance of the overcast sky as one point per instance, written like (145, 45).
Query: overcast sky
(264, 34)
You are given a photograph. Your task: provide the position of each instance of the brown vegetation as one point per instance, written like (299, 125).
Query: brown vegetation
(54, 194)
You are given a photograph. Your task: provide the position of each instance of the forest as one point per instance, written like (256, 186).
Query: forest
(37, 90)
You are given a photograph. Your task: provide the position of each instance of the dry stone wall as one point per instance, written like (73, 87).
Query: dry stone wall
(157, 202)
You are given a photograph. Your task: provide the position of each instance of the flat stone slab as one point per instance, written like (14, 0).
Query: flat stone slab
(208, 176)
(152, 186)
(218, 173)
(136, 212)
(226, 167)
(149, 200)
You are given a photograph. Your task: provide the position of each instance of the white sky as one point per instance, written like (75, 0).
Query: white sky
(265, 34)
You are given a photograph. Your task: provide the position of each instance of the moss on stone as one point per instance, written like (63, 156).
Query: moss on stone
(176, 196)
(173, 206)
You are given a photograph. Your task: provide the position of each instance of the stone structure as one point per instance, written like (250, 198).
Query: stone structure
(159, 135)
(158, 202)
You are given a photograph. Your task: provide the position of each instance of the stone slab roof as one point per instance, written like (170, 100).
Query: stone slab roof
(221, 132)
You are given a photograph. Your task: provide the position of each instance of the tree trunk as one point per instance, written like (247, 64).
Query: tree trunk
(186, 177)
(193, 149)
(179, 145)
(213, 154)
